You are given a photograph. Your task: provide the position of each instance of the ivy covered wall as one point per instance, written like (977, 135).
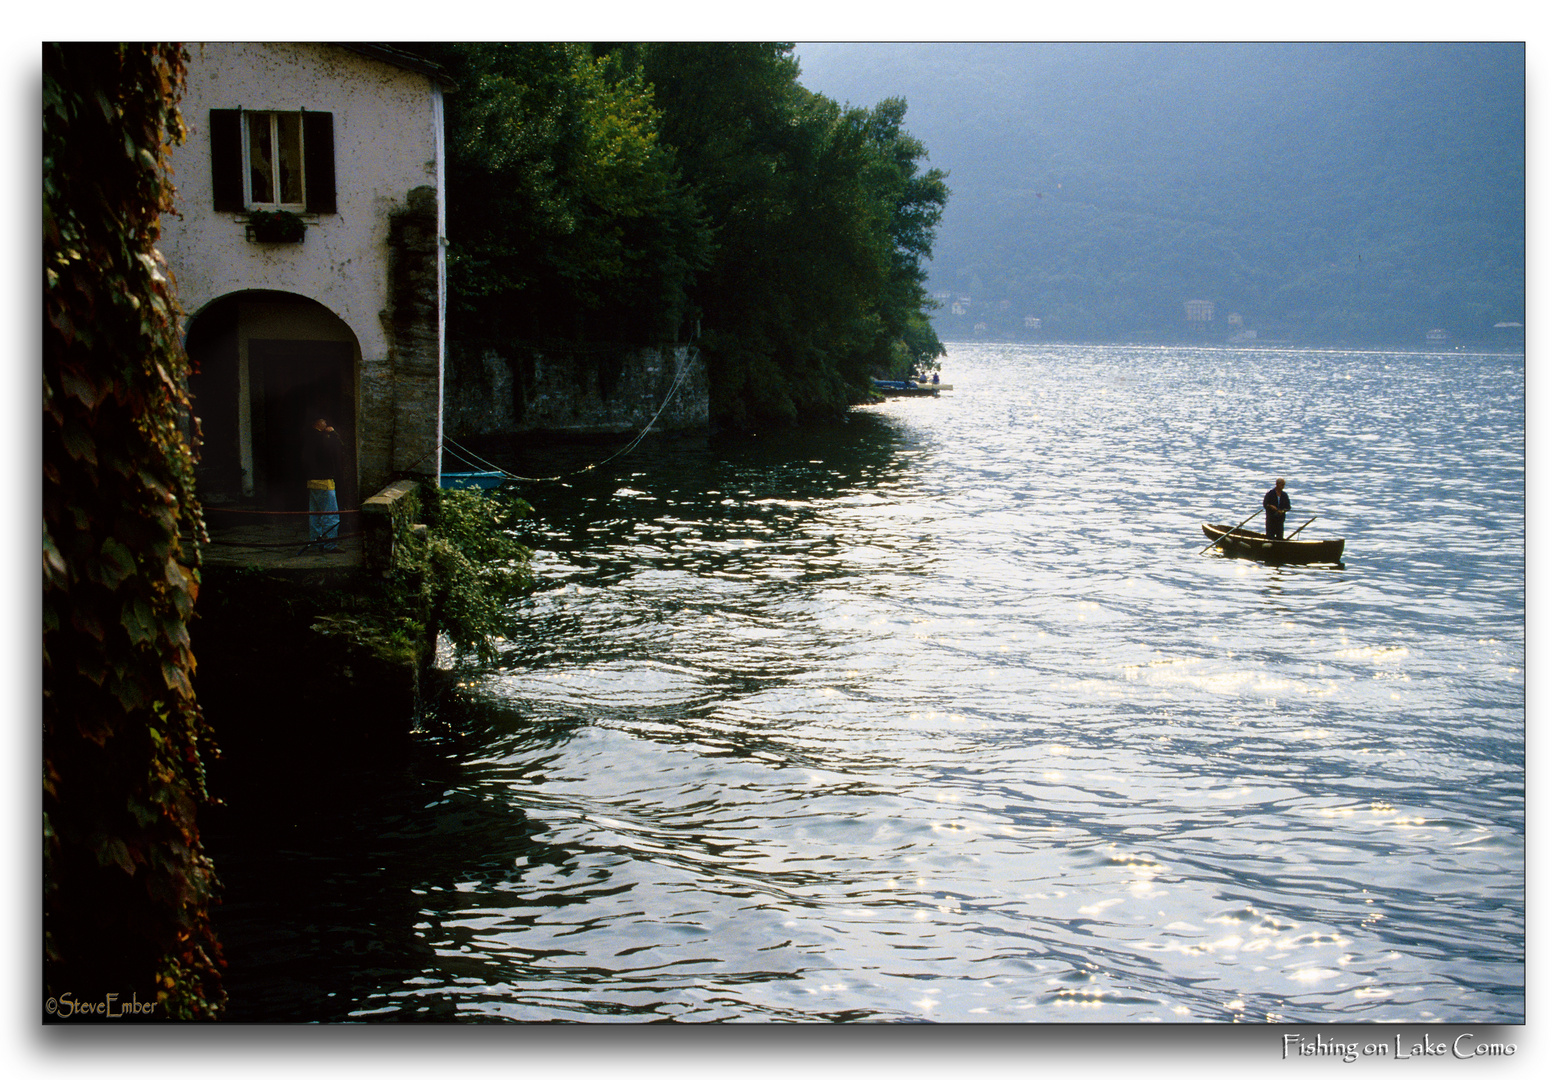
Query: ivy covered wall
(127, 887)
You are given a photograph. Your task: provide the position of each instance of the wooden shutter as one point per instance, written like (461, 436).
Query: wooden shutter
(227, 160)
(320, 164)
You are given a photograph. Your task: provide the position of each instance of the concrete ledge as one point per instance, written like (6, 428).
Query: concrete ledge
(388, 516)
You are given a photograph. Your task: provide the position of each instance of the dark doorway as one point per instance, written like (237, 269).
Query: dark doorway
(298, 381)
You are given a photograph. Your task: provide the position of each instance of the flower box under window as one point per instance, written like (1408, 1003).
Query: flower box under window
(274, 227)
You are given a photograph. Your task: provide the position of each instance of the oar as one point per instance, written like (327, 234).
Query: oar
(1231, 531)
(1300, 528)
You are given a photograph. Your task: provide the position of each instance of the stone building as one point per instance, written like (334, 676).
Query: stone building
(1198, 314)
(308, 253)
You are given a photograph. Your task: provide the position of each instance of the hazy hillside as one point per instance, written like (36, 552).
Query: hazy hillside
(1356, 194)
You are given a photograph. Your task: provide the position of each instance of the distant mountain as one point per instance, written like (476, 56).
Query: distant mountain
(1354, 194)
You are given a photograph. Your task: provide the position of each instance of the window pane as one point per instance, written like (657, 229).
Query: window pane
(261, 190)
(290, 157)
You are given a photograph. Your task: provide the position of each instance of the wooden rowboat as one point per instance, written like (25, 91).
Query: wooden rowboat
(1254, 545)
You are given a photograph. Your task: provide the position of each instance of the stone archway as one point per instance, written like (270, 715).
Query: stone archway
(265, 365)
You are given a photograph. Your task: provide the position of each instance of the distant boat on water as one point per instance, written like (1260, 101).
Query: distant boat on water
(909, 388)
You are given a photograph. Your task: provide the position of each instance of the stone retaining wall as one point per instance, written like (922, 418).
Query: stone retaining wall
(590, 391)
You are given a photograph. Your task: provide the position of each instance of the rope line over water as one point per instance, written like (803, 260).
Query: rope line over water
(478, 464)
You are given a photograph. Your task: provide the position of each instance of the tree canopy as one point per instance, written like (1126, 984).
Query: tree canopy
(566, 219)
(645, 193)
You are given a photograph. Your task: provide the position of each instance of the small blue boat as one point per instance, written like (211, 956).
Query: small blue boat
(908, 388)
(484, 480)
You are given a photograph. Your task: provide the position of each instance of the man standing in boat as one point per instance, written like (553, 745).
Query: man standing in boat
(1276, 505)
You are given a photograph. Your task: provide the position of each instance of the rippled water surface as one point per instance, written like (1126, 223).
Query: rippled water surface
(940, 714)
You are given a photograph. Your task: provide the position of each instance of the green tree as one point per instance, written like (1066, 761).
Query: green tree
(821, 223)
(126, 884)
(911, 204)
(567, 220)
(636, 192)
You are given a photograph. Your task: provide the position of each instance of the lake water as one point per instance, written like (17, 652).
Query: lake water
(941, 715)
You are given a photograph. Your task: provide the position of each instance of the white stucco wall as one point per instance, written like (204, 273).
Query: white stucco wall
(387, 131)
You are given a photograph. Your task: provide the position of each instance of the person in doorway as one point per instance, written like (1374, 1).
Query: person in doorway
(1276, 505)
(322, 453)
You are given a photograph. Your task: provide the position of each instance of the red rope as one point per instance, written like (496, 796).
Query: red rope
(289, 544)
(272, 513)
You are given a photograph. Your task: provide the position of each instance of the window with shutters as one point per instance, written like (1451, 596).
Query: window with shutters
(273, 160)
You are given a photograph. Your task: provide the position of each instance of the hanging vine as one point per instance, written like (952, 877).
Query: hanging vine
(127, 886)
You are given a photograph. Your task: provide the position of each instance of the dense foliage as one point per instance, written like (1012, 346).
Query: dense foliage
(1358, 193)
(566, 221)
(475, 567)
(821, 219)
(644, 193)
(126, 885)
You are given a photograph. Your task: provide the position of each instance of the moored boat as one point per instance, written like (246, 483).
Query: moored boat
(908, 388)
(1255, 545)
(483, 480)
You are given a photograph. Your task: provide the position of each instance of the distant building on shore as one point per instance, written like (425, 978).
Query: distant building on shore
(1199, 314)
(1235, 329)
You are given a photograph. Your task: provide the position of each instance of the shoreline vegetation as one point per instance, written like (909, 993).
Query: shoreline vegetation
(661, 193)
